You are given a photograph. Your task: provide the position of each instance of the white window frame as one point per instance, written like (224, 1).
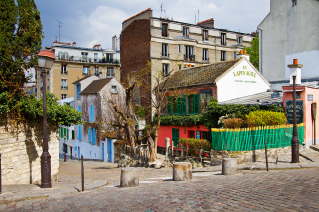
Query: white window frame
(186, 31)
(223, 38)
(64, 83)
(205, 35)
(240, 40)
(179, 49)
(96, 71)
(165, 50)
(64, 69)
(223, 56)
(86, 70)
(110, 72)
(113, 89)
(165, 69)
(64, 96)
(205, 55)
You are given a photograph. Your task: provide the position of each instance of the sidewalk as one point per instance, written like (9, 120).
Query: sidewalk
(103, 174)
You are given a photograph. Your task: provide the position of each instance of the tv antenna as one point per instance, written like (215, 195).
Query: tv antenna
(59, 28)
(161, 9)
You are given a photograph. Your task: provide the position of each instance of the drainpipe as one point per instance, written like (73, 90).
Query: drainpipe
(215, 50)
(260, 50)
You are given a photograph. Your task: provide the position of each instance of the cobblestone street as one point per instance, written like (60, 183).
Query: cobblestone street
(277, 190)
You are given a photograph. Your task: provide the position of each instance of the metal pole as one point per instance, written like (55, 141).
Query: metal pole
(65, 150)
(82, 173)
(45, 157)
(0, 177)
(266, 156)
(294, 140)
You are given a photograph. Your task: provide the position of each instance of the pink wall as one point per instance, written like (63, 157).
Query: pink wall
(308, 125)
(166, 132)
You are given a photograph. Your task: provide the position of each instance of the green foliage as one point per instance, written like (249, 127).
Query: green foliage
(265, 118)
(31, 110)
(275, 108)
(194, 143)
(232, 123)
(20, 40)
(180, 120)
(214, 111)
(253, 51)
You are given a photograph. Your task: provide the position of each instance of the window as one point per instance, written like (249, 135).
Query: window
(235, 55)
(189, 53)
(205, 35)
(92, 135)
(78, 90)
(64, 69)
(79, 109)
(176, 105)
(165, 50)
(110, 72)
(64, 84)
(65, 148)
(192, 134)
(204, 135)
(72, 134)
(294, 2)
(109, 58)
(204, 98)
(179, 49)
(95, 57)
(240, 40)
(185, 31)
(165, 69)
(193, 104)
(48, 84)
(164, 30)
(113, 89)
(64, 96)
(86, 70)
(205, 55)
(223, 56)
(179, 66)
(223, 39)
(91, 113)
(84, 56)
(96, 71)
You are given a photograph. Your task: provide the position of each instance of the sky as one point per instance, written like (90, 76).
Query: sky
(90, 22)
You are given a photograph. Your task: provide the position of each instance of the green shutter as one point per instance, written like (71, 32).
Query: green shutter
(184, 104)
(169, 105)
(174, 105)
(179, 105)
(72, 134)
(175, 136)
(189, 105)
(196, 103)
(67, 134)
(64, 132)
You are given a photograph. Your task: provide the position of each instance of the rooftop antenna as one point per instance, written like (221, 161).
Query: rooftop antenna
(161, 9)
(59, 28)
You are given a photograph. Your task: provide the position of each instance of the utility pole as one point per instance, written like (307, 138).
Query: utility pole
(59, 28)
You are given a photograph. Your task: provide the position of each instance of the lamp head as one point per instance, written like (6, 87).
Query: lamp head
(46, 59)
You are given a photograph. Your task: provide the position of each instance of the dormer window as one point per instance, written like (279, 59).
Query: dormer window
(185, 31)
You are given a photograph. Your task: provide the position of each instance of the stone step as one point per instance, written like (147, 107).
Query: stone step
(315, 147)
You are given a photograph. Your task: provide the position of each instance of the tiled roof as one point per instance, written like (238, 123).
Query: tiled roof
(137, 15)
(76, 82)
(205, 21)
(96, 86)
(200, 74)
(264, 98)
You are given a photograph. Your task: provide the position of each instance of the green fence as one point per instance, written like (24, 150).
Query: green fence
(248, 139)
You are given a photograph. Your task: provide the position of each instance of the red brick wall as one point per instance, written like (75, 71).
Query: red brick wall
(135, 53)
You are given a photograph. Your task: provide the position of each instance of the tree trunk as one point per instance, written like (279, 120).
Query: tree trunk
(152, 148)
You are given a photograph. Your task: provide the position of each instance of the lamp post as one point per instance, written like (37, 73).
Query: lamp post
(295, 78)
(45, 61)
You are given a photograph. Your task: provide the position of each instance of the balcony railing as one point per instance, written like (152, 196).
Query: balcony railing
(88, 60)
(206, 59)
(189, 57)
(165, 55)
(64, 72)
(64, 87)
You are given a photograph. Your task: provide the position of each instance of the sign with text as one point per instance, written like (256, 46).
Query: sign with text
(290, 111)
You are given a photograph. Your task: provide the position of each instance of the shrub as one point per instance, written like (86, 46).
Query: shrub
(232, 123)
(180, 120)
(194, 143)
(265, 118)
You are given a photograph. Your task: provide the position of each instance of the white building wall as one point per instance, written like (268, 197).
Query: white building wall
(290, 32)
(242, 80)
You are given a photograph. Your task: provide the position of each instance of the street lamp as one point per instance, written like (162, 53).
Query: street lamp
(45, 61)
(295, 77)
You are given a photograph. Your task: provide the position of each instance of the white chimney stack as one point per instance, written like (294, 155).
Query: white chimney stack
(242, 53)
(114, 42)
(295, 70)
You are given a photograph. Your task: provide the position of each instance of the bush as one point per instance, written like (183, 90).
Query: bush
(265, 118)
(194, 143)
(232, 123)
(180, 120)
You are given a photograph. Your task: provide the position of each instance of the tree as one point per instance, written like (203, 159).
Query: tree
(253, 51)
(20, 41)
(154, 93)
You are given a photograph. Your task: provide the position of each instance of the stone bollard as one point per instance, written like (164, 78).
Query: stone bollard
(182, 171)
(129, 177)
(167, 144)
(229, 166)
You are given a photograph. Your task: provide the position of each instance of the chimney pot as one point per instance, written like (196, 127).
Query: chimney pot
(241, 52)
(295, 61)
(245, 51)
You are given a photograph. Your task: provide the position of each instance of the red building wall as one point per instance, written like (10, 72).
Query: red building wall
(184, 132)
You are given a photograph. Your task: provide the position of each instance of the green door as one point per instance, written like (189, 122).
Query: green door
(175, 136)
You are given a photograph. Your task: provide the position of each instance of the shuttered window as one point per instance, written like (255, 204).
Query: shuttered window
(169, 105)
(178, 104)
(175, 136)
(80, 138)
(93, 135)
(91, 113)
(89, 134)
(193, 104)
